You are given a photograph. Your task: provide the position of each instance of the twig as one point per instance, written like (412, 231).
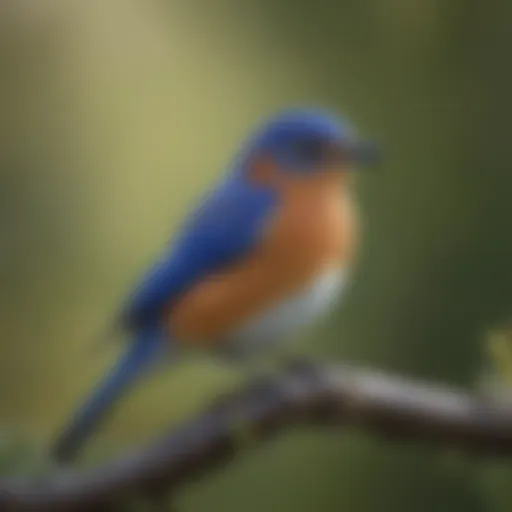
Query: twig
(323, 395)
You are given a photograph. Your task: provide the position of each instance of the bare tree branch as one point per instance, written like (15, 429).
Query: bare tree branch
(323, 395)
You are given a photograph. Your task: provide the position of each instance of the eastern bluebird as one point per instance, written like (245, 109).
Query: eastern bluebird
(266, 251)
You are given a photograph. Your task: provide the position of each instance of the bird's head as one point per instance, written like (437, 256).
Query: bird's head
(302, 144)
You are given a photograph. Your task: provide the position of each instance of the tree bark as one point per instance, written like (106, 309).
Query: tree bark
(304, 394)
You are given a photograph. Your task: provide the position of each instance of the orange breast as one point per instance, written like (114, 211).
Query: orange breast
(313, 231)
(325, 221)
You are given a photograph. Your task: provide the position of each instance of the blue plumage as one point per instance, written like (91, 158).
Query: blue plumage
(222, 230)
(226, 226)
(137, 360)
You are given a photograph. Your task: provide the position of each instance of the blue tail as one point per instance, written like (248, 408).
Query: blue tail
(132, 365)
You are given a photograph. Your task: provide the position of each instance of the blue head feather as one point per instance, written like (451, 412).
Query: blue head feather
(300, 139)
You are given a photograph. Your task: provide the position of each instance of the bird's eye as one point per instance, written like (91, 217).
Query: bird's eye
(310, 150)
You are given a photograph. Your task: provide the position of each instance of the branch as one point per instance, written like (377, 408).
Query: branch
(323, 395)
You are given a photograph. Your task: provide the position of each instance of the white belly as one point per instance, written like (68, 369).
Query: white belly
(289, 315)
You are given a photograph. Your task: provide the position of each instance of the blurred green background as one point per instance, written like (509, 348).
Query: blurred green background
(117, 114)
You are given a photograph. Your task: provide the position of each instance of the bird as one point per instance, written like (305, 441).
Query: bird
(265, 252)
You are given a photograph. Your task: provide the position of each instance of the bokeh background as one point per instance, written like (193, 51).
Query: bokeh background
(117, 114)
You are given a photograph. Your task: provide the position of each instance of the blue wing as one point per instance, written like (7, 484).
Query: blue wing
(222, 230)
(226, 226)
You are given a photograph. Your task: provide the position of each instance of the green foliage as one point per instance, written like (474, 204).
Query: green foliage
(499, 349)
